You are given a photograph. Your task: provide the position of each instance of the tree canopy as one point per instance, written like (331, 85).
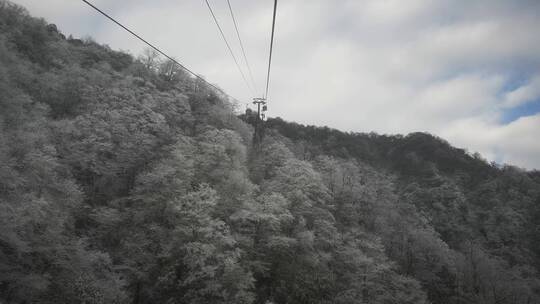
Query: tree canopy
(124, 180)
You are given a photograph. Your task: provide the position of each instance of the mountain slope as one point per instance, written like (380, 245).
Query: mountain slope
(125, 180)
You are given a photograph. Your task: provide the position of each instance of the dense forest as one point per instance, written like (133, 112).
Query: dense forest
(125, 180)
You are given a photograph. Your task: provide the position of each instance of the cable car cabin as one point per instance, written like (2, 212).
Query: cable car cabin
(265, 108)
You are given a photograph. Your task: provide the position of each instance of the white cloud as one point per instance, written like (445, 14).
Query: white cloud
(462, 96)
(523, 94)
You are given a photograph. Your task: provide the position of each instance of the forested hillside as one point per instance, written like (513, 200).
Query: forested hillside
(124, 180)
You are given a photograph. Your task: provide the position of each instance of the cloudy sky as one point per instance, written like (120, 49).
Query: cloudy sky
(465, 70)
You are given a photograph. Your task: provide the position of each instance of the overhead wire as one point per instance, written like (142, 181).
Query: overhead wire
(158, 50)
(228, 46)
(242, 46)
(271, 49)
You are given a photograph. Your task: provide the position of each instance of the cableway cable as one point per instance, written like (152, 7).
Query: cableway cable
(271, 48)
(158, 50)
(228, 46)
(242, 45)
